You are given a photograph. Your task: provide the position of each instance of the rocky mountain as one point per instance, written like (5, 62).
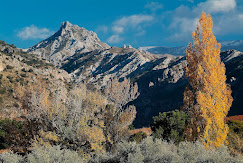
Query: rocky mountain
(160, 78)
(181, 50)
(86, 58)
(67, 41)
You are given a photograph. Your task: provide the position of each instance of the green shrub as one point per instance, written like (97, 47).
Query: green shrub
(10, 78)
(30, 70)
(235, 127)
(1, 76)
(9, 67)
(23, 69)
(13, 46)
(131, 127)
(13, 134)
(10, 91)
(138, 137)
(16, 105)
(170, 126)
(235, 137)
(23, 75)
(2, 90)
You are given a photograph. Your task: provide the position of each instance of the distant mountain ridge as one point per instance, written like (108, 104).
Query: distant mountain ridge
(181, 50)
(160, 78)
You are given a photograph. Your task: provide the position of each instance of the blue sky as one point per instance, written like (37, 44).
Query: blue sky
(117, 22)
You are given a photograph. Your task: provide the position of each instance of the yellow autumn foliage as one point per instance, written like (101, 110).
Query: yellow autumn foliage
(208, 98)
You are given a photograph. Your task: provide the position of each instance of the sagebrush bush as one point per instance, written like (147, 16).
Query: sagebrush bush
(53, 154)
(196, 152)
(10, 157)
(155, 150)
(148, 151)
(44, 154)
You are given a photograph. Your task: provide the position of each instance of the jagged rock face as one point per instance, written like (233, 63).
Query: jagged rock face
(100, 66)
(67, 41)
(230, 55)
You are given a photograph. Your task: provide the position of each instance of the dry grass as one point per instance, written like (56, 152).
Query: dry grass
(4, 150)
(235, 118)
(147, 131)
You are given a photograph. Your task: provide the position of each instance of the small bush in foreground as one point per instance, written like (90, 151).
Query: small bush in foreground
(148, 151)
(54, 154)
(10, 157)
(235, 137)
(45, 154)
(156, 150)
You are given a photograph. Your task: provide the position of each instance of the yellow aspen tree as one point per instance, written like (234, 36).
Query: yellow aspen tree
(207, 98)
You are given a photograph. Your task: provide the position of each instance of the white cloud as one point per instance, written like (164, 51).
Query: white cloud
(114, 39)
(130, 22)
(183, 28)
(240, 16)
(225, 14)
(135, 23)
(154, 6)
(118, 29)
(191, 1)
(229, 24)
(102, 28)
(140, 31)
(214, 6)
(33, 32)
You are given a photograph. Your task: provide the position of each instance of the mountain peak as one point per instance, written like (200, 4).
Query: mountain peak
(67, 41)
(65, 24)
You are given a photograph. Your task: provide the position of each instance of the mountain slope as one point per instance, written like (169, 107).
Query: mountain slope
(18, 68)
